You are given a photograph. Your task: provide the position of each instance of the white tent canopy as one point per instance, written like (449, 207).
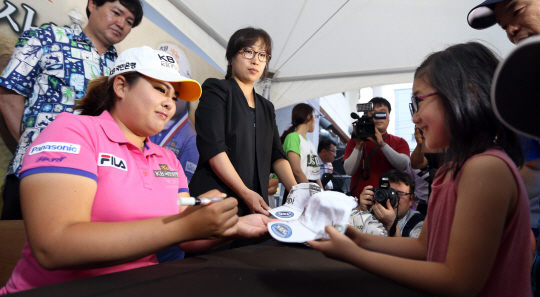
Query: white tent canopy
(323, 47)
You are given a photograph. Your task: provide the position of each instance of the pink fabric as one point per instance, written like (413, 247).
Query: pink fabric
(134, 186)
(510, 275)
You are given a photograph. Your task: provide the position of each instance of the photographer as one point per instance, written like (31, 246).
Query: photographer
(326, 152)
(409, 221)
(365, 161)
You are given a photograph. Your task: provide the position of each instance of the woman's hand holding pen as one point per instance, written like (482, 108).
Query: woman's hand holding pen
(211, 221)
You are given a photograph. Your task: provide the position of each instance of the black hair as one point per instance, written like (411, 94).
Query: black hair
(135, 6)
(325, 144)
(396, 176)
(462, 75)
(243, 38)
(381, 101)
(100, 95)
(301, 113)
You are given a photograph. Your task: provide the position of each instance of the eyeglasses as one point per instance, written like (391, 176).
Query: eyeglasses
(332, 151)
(413, 107)
(249, 54)
(403, 194)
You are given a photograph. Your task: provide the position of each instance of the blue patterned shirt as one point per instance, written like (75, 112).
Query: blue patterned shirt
(51, 66)
(180, 138)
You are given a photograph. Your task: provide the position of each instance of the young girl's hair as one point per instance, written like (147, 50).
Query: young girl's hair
(243, 38)
(100, 95)
(462, 76)
(301, 113)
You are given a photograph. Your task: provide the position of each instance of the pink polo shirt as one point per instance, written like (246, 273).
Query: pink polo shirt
(131, 185)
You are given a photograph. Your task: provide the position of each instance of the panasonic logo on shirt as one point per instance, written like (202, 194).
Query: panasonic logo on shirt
(61, 147)
(110, 160)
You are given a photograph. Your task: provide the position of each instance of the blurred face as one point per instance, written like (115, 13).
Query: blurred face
(519, 18)
(109, 23)
(249, 70)
(146, 106)
(328, 155)
(381, 125)
(311, 123)
(430, 117)
(405, 201)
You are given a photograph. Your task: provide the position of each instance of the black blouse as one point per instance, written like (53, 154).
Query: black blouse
(224, 123)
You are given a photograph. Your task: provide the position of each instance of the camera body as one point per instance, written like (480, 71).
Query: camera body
(364, 126)
(384, 192)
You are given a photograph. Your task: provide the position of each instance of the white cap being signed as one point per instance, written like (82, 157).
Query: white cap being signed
(296, 202)
(323, 209)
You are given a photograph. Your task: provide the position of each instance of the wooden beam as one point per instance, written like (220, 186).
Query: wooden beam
(335, 128)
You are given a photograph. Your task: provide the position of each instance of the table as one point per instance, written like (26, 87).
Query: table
(267, 269)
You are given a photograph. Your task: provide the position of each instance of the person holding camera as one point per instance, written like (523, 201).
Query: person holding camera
(366, 159)
(326, 151)
(394, 199)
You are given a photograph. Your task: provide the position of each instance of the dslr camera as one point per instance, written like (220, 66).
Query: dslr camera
(384, 192)
(364, 126)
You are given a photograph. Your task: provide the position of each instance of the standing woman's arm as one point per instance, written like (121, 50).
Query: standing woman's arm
(222, 166)
(282, 168)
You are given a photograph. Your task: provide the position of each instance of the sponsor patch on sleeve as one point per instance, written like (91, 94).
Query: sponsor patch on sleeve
(190, 167)
(60, 147)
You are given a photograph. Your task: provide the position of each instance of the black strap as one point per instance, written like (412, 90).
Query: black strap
(392, 230)
(365, 171)
(411, 223)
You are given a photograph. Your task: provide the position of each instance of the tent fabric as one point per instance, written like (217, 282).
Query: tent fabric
(324, 47)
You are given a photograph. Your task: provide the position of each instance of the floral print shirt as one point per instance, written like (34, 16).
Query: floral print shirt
(51, 66)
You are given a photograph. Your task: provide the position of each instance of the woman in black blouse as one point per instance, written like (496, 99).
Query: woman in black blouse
(237, 136)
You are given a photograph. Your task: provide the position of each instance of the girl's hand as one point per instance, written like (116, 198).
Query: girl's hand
(339, 247)
(256, 203)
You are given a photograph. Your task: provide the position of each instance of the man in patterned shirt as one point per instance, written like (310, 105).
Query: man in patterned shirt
(50, 69)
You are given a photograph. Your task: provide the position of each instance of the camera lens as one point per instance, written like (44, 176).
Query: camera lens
(380, 195)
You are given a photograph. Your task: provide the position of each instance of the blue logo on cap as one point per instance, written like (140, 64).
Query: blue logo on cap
(282, 230)
(285, 214)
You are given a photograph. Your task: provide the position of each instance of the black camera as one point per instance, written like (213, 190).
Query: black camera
(384, 192)
(364, 126)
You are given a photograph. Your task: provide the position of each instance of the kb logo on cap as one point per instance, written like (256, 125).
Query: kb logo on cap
(282, 230)
(166, 58)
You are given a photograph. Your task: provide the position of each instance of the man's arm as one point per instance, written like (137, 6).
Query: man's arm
(399, 161)
(12, 108)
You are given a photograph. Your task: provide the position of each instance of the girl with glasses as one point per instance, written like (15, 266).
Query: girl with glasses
(476, 237)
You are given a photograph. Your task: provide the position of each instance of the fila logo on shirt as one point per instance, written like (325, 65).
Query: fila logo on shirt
(110, 160)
